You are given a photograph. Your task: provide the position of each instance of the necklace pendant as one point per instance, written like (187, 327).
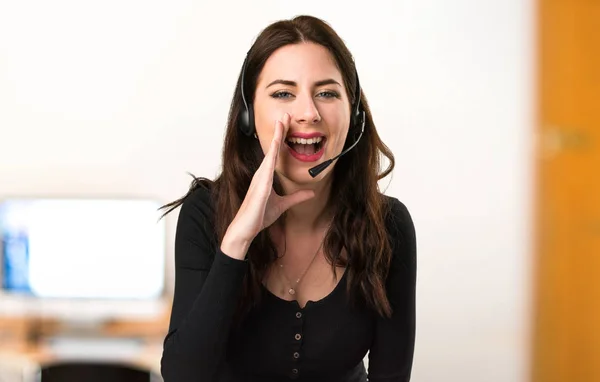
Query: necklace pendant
(292, 291)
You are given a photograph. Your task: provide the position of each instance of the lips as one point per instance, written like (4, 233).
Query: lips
(304, 135)
(308, 157)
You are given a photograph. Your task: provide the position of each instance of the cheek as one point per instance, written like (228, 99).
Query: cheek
(338, 142)
(265, 115)
(338, 131)
(264, 124)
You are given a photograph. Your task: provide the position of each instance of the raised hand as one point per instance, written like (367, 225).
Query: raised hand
(262, 206)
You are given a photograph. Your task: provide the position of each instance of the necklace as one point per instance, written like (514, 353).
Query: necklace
(292, 289)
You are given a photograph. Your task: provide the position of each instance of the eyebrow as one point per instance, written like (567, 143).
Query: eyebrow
(328, 81)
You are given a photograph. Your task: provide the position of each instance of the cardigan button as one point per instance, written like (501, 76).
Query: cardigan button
(298, 315)
(296, 355)
(297, 337)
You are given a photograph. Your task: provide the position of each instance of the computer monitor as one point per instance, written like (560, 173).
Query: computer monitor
(82, 259)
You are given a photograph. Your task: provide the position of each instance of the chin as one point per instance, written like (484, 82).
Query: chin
(300, 176)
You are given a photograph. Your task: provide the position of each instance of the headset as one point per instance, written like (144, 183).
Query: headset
(357, 120)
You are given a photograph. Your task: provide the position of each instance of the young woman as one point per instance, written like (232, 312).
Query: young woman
(284, 273)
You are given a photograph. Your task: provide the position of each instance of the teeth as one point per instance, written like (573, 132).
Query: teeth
(305, 141)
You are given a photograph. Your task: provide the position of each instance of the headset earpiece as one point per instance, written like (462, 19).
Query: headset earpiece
(358, 115)
(246, 122)
(357, 119)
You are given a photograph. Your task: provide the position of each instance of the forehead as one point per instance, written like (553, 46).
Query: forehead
(300, 62)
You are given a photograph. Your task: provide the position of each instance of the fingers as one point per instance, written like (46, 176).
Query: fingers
(281, 129)
(271, 159)
(286, 126)
(296, 198)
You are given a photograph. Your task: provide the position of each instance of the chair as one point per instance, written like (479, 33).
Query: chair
(78, 371)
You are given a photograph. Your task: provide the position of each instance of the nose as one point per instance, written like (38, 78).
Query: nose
(306, 111)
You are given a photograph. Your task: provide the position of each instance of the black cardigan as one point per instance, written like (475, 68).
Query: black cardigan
(326, 340)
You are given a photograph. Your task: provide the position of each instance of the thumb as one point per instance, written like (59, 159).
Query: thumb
(296, 198)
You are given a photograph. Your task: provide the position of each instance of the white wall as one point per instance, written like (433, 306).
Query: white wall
(125, 97)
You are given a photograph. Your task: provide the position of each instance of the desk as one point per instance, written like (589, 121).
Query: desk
(23, 355)
(21, 364)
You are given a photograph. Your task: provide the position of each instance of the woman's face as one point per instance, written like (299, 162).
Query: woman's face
(303, 81)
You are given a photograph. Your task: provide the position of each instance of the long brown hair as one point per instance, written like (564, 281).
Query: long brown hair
(360, 210)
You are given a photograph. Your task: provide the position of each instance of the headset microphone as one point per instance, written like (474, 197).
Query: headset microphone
(314, 171)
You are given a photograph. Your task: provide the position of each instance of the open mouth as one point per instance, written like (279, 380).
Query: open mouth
(306, 146)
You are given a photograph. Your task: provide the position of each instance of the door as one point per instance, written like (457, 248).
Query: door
(566, 325)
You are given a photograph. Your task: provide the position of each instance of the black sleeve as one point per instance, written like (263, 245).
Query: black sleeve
(391, 354)
(207, 287)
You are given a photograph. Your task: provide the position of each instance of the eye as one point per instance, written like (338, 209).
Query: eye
(281, 94)
(329, 94)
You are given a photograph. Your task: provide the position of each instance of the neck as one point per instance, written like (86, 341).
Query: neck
(311, 215)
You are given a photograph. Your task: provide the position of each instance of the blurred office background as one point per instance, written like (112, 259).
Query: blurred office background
(490, 107)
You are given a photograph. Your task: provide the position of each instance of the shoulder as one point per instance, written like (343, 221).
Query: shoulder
(401, 231)
(398, 218)
(197, 206)
(197, 201)
(195, 224)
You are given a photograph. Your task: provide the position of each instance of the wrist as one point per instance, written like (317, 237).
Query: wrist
(235, 246)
